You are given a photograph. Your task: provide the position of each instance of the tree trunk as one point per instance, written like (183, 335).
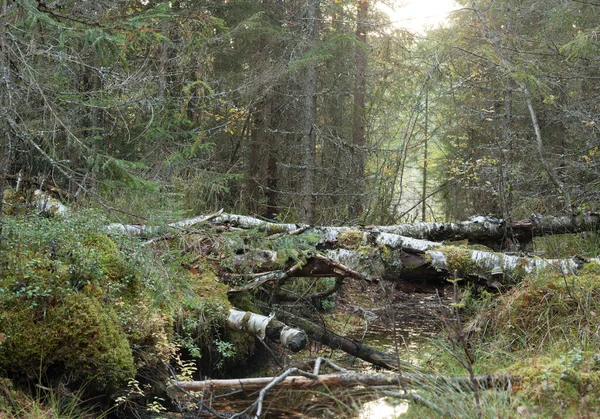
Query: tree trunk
(375, 253)
(488, 231)
(257, 144)
(561, 188)
(5, 135)
(373, 256)
(262, 326)
(350, 346)
(309, 130)
(359, 116)
(425, 160)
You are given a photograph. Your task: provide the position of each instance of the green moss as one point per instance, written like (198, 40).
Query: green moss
(149, 333)
(275, 229)
(205, 285)
(75, 337)
(563, 381)
(244, 346)
(13, 201)
(108, 255)
(591, 269)
(351, 239)
(243, 301)
(81, 305)
(459, 259)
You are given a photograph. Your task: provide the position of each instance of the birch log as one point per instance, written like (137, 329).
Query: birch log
(489, 231)
(379, 255)
(263, 326)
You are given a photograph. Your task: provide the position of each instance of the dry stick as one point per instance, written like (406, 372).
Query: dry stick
(290, 295)
(340, 269)
(329, 362)
(349, 379)
(267, 277)
(337, 269)
(270, 351)
(275, 381)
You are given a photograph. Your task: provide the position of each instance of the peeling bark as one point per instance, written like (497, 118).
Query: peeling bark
(263, 326)
(391, 257)
(374, 253)
(488, 231)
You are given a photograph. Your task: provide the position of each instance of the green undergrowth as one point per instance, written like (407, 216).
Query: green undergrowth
(545, 332)
(584, 244)
(97, 312)
(44, 404)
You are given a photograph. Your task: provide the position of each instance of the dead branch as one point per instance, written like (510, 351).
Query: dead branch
(349, 379)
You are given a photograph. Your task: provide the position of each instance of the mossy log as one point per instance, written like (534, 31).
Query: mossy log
(373, 253)
(391, 257)
(493, 232)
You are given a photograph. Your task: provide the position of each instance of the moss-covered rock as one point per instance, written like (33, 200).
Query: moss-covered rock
(73, 337)
(75, 303)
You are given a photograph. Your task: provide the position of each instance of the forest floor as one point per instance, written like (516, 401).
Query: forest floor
(154, 305)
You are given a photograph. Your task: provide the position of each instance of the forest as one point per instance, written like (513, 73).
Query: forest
(299, 208)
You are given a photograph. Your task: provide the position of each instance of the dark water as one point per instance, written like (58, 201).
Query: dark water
(403, 326)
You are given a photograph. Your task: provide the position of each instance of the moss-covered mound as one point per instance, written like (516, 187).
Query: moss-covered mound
(546, 331)
(95, 311)
(64, 293)
(75, 334)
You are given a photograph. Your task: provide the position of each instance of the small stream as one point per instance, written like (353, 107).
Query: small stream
(407, 329)
(404, 326)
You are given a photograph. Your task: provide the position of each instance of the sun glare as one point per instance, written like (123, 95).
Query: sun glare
(419, 15)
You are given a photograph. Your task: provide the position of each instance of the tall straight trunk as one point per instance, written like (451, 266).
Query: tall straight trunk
(425, 157)
(163, 62)
(272, 207)
(254, 153)
(5, 145)
(359, 118)
(309, 119)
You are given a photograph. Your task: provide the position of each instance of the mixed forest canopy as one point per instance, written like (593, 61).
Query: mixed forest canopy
(176, 174)
(320, 112)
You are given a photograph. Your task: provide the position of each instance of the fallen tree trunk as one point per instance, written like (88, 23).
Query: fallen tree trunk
(490, 231)
(496, 233)
(350, 346)
(396, 386)
(379, 255)
(376, 253)
(149, 231)
(348, 379)
(263, 326)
